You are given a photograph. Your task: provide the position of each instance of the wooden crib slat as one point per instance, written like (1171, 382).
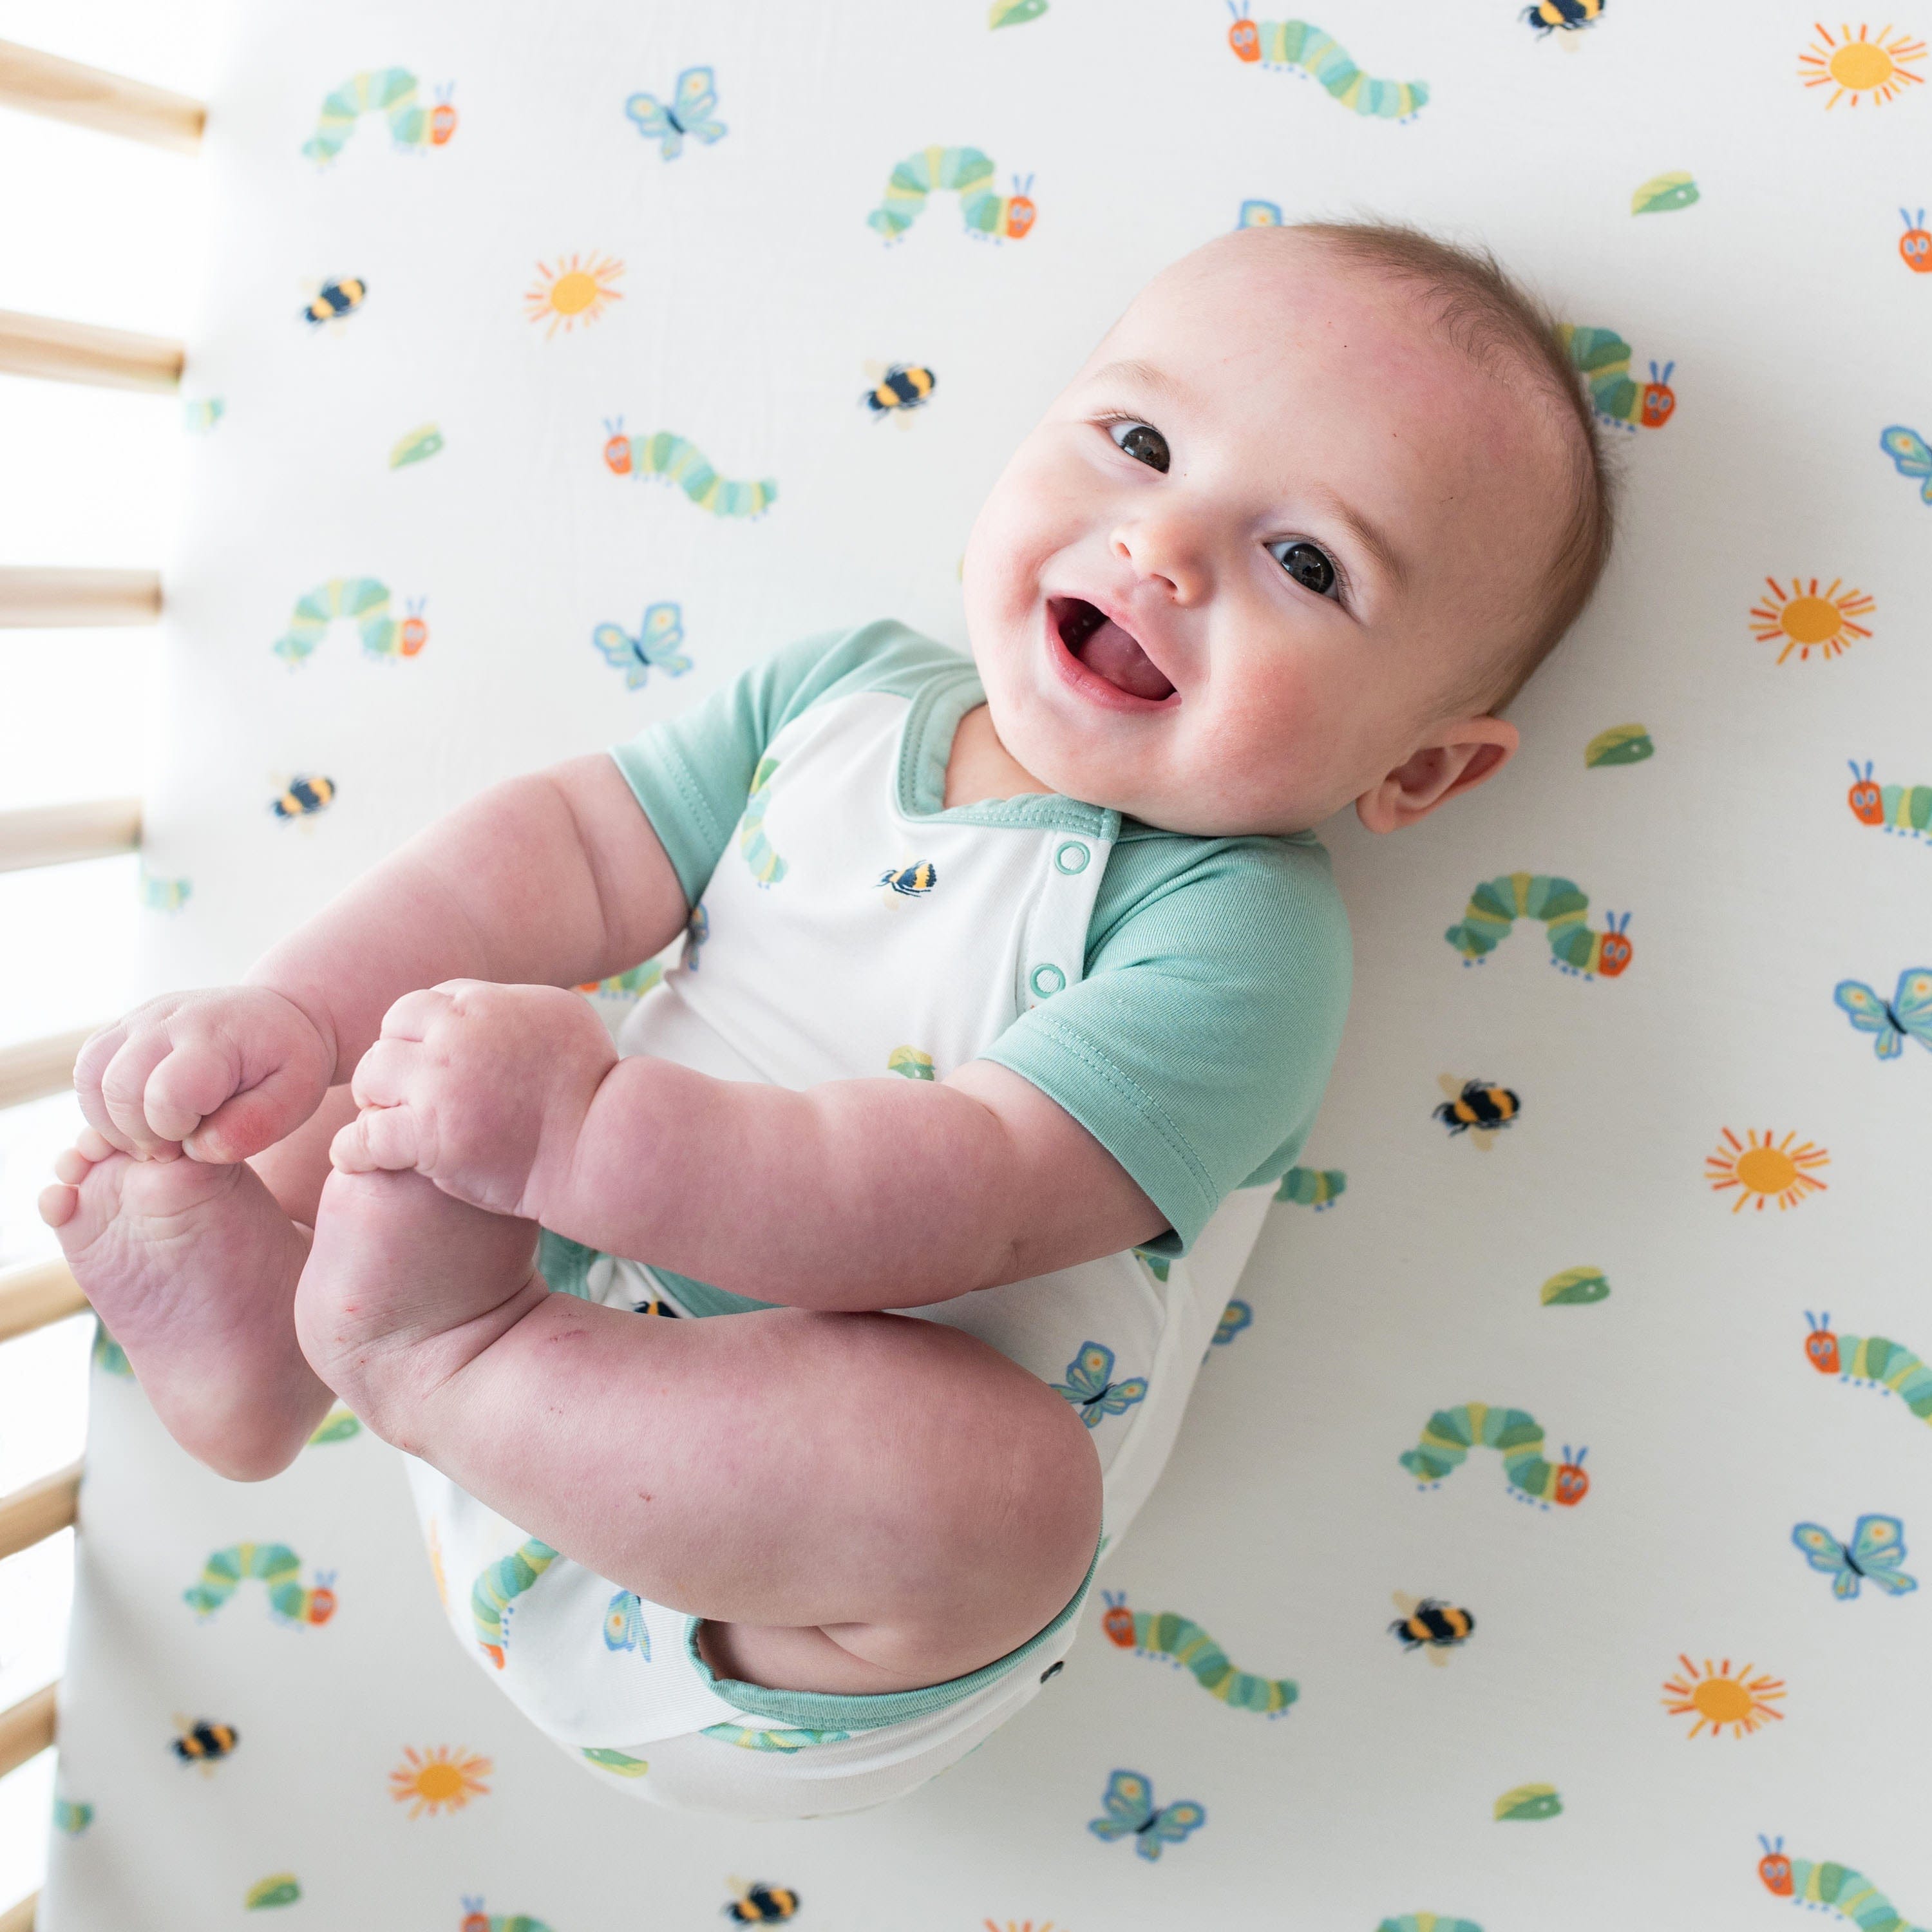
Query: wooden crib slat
(59, 834)
(26, 1730)
(35, 1294)
(58, 351)
(20, 1917)
(35, 600)
(38, 1067)
(64, 90)
(41, 1509)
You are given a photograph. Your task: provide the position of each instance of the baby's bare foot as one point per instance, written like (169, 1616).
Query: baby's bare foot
(406, 1286)
(193, 1268)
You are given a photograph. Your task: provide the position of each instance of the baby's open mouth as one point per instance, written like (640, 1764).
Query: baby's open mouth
(1105, 649)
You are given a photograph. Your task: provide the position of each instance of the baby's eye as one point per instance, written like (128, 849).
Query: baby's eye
(1307, 564)
(1142, 442)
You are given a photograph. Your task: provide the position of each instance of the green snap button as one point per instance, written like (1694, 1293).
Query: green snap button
(1047, 980)
(1072, 856)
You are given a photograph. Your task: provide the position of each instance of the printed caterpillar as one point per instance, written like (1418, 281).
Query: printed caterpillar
(476, 1919)
(767, 868)
(1316, 1187)
(967, 171)
(390, 91)
(1294, 43)
(499, 1587)
(781, 1740)
(366, 601)
(1161, 1633)
(1428, 1922)
(663, 455)
(1831, 1888)
(278, 1566)
(1451, 1433)
(1602, 357)
(1871, 1360)
(1906, 808)
(1496, 906)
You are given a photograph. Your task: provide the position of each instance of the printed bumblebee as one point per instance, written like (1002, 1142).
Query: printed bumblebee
(1915, 245)
(203, 1741)
(1547, 16)
(304, 797)
(759, 1903)
(335, 300)
(1428, 1623)
(910, 881)
(1477, 1108)
(897, 391)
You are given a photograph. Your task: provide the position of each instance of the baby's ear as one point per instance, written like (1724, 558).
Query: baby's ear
(1452, 759)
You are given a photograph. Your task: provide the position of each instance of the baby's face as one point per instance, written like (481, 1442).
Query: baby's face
(1242, 602)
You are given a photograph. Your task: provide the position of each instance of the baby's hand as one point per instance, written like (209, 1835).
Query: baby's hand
(471, 1083)
(223, 1072)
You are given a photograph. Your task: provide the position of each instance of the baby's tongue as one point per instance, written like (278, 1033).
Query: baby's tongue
(1111, 654)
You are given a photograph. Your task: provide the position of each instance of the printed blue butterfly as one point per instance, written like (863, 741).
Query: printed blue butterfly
(1089, 1388)
(624, 1625)
(1128, 1798)
(687, 114)
(1876, 1549)
(1907, 449)
(654, 648)
(1236, 1316)
(1910, 1011)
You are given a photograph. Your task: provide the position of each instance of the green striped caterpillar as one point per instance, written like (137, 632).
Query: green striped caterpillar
(1294, 43)
(781, 1740)
(390, 91)
(767, 868)
(1602, 358)
(969, 173)
(1871, 1360)
(1428, 1922)
(365, 600)
(278, 1566)
(476, 1919)
(662, 454)
(1450, 1433)
(1161, 1633)
(1496, 905)
(1316, 1187)
(1898, 807)
(494, 1592)
(1831, 1888)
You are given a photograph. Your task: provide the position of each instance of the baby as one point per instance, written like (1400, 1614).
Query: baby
(1006, 987)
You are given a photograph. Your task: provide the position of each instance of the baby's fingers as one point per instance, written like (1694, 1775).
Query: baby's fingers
(378, 1139)
(257, 1108)
(123, 1092)
(89, 1065)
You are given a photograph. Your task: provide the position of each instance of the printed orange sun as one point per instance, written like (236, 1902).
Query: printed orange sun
(574, 291)
(1718, 1697)
(1810, 619)
(1861, 67)
(1762, 1169)
(437, 1780)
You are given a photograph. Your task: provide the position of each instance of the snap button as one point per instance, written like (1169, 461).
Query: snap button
(1047, 980)
(1072, 856)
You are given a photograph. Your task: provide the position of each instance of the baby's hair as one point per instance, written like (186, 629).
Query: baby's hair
(1497, 322)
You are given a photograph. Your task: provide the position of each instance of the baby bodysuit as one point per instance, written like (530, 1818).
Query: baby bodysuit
(1181, 997)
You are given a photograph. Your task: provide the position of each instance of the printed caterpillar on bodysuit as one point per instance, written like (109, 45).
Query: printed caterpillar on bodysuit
(1294, 43)
(1189, 1647)
(1906, 808)
(1872, 1360)
(746, 1738)
(1450, 1433)
(366, 601)
(499, 1586)
(476, 1919)
(1831, 1888)
(1496, 905)
(277, 1566)
(970, 174)
(767, 868)
(1602, 358)
(391, 91)
(662, 453)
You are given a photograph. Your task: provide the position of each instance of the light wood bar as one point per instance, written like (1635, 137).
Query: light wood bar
(20, 1917)
(36, 1293)
(36, 1068)
(64, 90)
(41, 1509)
(58, 351)
(33, 600)
(62, 835)
(26, 1730)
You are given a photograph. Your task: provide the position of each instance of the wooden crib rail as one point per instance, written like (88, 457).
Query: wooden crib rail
(20, 1918)
(36, 1068)
(64, 90)
(58, 351)
(35, 1294)
(60, 834)
(68, 599)
(26, 1730)
(41, 1509)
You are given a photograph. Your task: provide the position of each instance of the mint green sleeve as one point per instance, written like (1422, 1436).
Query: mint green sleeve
(1196, 1047)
